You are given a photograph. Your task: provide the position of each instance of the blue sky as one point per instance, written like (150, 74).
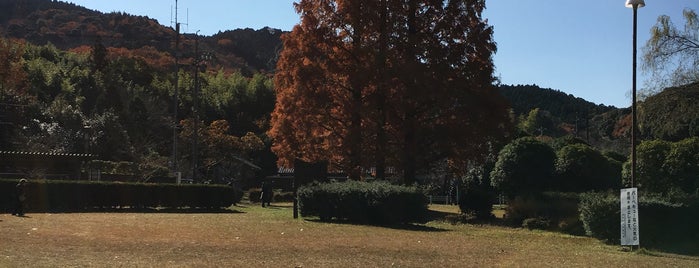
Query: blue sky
(580, 47)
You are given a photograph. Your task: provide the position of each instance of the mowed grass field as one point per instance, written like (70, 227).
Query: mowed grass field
(251, 236)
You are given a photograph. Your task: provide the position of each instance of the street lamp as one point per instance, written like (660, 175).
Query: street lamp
(634, 4)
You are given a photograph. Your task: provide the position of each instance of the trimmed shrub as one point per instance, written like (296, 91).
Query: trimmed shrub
(561, 209)
(375, 202)
(600, 214)
(581, 168)
(46, 195)
(662, 223)
(461, 218)
(539, 223)
(524, 166)
(477, 201)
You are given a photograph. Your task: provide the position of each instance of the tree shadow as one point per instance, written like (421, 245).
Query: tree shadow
(184, 210)
(677, 247)
(397, 226)
(279, 206)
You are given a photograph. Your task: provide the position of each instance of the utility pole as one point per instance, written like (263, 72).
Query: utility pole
(195, 108)
(176, 98)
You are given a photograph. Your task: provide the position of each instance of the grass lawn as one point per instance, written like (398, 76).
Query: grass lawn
(251, 236)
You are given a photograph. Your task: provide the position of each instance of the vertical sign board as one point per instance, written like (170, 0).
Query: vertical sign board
(629, 217)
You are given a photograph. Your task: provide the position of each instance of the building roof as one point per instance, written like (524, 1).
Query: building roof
(42, 154)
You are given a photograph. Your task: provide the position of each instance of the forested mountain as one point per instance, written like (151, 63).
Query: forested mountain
(567, 107)
(672, 114)
(549, 112)
(68, 26)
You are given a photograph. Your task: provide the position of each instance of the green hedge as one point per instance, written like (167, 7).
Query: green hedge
(374, 202)
(477, 201)
(661, 223)
(50, 195)
(559, 209)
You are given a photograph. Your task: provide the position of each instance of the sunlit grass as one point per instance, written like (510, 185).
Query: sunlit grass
(270, 237)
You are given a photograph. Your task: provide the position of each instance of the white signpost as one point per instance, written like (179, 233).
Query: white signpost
(629, 217)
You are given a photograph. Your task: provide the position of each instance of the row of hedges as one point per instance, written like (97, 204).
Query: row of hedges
(46, 195)
(661, 223)
(365, 202)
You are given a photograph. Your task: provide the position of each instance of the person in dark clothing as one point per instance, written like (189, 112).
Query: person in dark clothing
(266, 195)
(20, 198)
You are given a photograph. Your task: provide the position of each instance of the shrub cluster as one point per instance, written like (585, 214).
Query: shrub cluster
(661, 223)
(560, 210)
(365, 202)
(540, 223)
(477, 201)
(47, 195)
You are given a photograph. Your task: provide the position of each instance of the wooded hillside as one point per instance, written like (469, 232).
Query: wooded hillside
(78, 80)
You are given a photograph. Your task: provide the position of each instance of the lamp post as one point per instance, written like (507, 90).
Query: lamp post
(635, 5)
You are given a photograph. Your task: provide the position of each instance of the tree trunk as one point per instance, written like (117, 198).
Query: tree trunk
(381, 139)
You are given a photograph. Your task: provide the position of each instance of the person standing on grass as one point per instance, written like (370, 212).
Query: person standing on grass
(266, 195)
(20, 198)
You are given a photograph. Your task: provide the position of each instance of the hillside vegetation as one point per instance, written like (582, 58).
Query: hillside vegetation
(79, 80)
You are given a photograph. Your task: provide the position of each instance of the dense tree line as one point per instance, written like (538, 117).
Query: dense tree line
(120, 108)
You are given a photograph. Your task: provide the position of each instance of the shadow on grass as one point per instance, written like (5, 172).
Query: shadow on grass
(278, 206)
(679, 246)
(400, 226)
(687, 252)
(185, 210)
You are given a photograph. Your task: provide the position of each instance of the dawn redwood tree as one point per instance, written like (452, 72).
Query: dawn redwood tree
(388, 82)
(320, 88)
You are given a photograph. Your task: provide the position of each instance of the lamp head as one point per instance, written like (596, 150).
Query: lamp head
(635, 3)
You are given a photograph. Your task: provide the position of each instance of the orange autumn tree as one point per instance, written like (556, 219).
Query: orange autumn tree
(218, 147)
(13, 77)
(388, 82)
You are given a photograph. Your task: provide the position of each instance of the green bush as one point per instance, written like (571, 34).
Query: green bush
(600, 214)
(524, 166)
(375, 202)
(539, 223)
(661, 223)
(581, 168)
(561, 209)
(461, 218)
(46, 195)
(477, 201)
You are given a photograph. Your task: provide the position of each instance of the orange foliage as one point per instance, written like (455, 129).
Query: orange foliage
(224, 42)
(84, 49)
(13, 78)
(622, 128)
(364, 83)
